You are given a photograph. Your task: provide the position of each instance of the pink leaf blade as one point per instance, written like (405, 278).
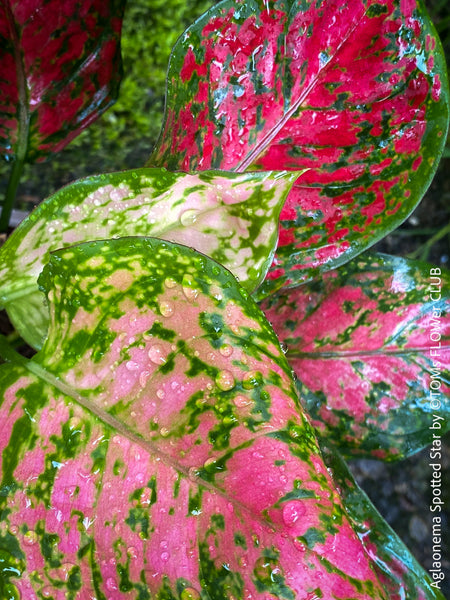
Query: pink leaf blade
(379, 327)
(124, 438)
(393, 562)
(345, 93)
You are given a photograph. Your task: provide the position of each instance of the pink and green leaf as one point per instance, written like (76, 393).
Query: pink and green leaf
(231, 217)
(396, 567)
(357, 93)
(60, 69)
(370, 344)
(155, 447)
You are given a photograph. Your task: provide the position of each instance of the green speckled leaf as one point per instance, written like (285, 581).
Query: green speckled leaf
(155, 447)
(231, 217)
(395, 565)
(370, 344)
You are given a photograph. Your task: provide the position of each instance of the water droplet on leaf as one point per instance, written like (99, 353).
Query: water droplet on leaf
(189, 217)
(252, 379)
(241, 401)
(157, 355)
(190, 593)
(292, 511)
(166, 309)
(225, 380)
(170, 283)
(30, 538)
(226, 350)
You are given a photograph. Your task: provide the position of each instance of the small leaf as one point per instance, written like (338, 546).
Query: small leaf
(370, 346)
(357, 94)
(396, 567)
(229, 216)
(61, 68)
(155, 446)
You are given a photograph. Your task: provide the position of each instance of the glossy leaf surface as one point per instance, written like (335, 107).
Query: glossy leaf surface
(155, 447)
(60, 69)
(395, 565)
(370, 344)
(356, 92)
(229, 216)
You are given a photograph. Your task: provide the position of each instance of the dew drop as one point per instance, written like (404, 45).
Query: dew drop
(132, 552)
(166, 309)
(143, 378)
(47, 591)
(157, 355)
(225, 380)
(161, 394)
(251, 380)
(241, 401)
(165, 556)
(190, 293)
(170, 283)
(189, 217)
(30, 538)
(190, 593)
(292, 511)
(131, 365)
(164, 432)
(111, 585)
(226, 350)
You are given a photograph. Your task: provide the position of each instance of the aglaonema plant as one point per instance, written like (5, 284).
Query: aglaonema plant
(180, 432)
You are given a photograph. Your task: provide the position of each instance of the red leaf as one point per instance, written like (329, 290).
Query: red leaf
(356, 93)
(61, 69)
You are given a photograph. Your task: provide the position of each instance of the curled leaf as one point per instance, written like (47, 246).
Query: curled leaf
(395, 565)
(60, 69)
(155, 446)
(357, 94)
(229, 216)
(370, 344)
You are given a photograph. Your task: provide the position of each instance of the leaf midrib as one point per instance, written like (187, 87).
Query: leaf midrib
(269, 137)
(362, 353)
(116, 425)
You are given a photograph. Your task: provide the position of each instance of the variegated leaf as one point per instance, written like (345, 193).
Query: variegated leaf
(370, 344)
(60, 69)
(355, 91)
(155, 446)
(395, 565)
(229, 216)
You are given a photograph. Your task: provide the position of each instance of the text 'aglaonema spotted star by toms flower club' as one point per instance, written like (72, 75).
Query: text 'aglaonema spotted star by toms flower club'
(360, 342)
(355, 93)
(155, 447)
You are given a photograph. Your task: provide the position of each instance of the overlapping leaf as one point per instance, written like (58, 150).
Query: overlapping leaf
(228, 216)
(155, 447)
(355, 92)
(60, 69)
(394, 563)
(370, 344)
